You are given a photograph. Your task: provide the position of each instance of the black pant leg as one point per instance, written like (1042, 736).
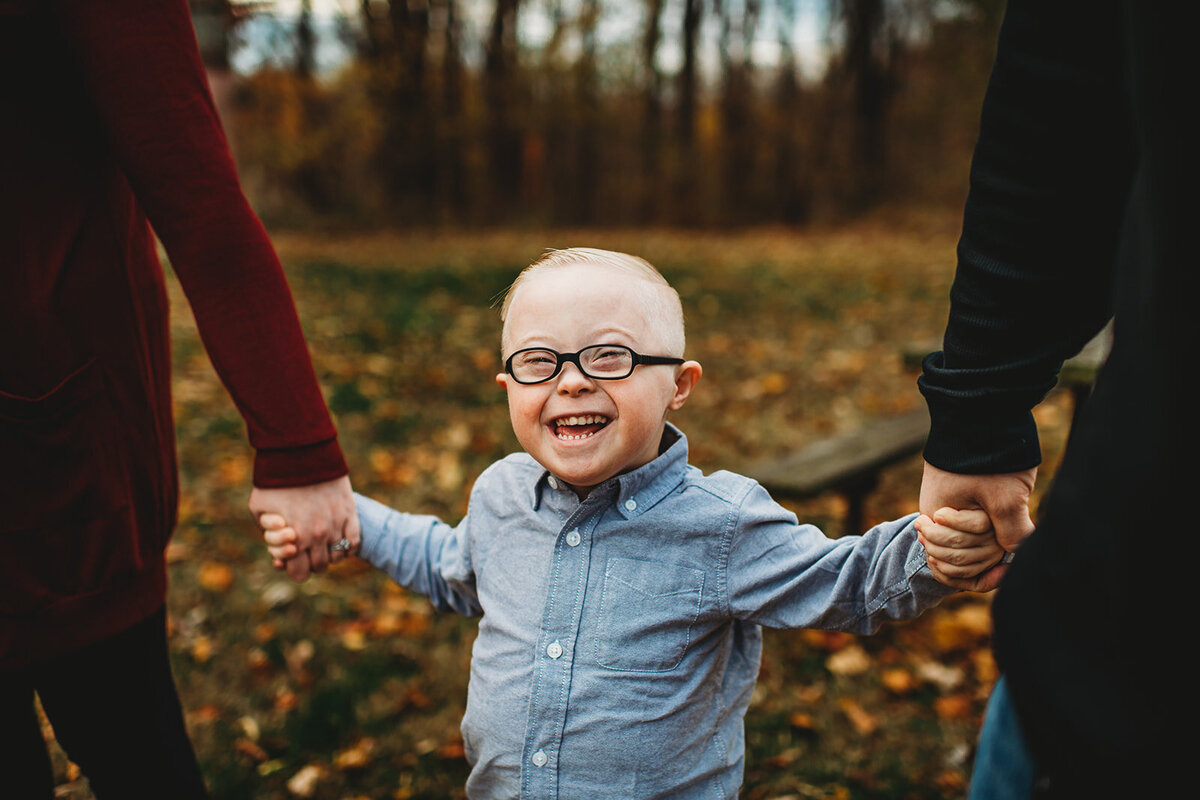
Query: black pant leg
(25, 767)
(116, 713)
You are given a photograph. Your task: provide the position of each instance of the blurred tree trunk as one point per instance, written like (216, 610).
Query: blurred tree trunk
(792, 195)
(369, 47)
(306, 43)
(501, 97)
(650, 166)
(408, 131)
(685, 184)
(737, 110)
(586, 187)
(867, 60)
(451, 124)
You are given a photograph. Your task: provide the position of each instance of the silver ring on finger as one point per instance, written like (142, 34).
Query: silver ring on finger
(343, 545)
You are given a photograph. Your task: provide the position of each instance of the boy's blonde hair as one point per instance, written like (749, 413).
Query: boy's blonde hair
(662, 301)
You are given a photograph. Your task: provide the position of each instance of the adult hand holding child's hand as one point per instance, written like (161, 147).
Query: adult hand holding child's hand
(318, 516)
(961, 548)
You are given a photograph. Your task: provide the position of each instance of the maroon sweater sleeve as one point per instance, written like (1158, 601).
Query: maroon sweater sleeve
(143, 72)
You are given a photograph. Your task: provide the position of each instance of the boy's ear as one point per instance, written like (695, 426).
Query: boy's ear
(685, 380)
(502, 380)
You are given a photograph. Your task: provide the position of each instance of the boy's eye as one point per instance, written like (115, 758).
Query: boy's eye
(607, 360)
(538, 359)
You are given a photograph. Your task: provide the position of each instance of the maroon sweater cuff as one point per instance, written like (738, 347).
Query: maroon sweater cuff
(299, 466)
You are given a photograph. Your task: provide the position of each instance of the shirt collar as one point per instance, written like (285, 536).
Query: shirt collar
(638, 490)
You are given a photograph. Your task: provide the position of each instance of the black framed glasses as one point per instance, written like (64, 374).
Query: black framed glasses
(603, 362)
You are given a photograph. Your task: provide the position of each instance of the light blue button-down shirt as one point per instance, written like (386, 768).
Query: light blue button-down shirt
(620, 636)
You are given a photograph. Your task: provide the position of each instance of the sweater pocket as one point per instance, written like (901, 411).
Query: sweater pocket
(61, 488)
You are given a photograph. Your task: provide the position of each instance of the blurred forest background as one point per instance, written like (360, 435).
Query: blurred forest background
(796, 168)
(581, 112)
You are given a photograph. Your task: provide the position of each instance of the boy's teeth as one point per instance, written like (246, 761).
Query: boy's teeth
(588, 419)
(584, 420)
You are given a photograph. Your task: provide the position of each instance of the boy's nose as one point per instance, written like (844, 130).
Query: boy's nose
(571, 380)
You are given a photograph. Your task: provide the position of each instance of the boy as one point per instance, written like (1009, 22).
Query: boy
(621, 590)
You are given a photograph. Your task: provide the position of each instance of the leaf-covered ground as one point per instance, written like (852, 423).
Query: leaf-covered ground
(348, 687)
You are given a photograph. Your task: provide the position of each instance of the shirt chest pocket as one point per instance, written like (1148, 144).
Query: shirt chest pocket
(647, 611)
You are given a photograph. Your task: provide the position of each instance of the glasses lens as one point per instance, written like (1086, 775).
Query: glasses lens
(607, 361)
(534, 365)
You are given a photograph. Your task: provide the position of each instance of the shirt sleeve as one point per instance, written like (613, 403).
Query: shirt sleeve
(1049, 178)
(141, 66)
(786, 575)
(420, 553)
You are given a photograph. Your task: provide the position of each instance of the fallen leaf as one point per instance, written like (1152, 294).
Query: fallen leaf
(206, 713)
(964, 627)
(784, 759)
(202, 649)
(805, 722)
(258, 660)
(944, 677)
(278, 594)
(285, 700)
(810, 694)
(298, 656)
(414, 698)
(215, 576)
(984, 663)
(952, 706)
(452, 749)
(250, 728)
(304, 782)
(898, 681)
(233, 470)
(250, 750)
(178, 551)
(951, 783)
(852, 660)
(863, 722)
(774, 383)
(357, 756)
(827, 640)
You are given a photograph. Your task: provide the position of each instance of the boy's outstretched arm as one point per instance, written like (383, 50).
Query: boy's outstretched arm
(961, 548)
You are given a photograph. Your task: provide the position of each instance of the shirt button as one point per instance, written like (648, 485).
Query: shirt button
(573, 538)
(630, 504)
(554, 650)
(540, 759)
(552, 481)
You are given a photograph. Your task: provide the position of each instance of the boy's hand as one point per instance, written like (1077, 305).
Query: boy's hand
(282, 540)
(961, 548)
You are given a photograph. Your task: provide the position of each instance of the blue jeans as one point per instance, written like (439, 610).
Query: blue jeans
(1003, 765)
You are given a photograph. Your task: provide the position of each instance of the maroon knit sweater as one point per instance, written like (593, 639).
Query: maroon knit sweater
(108, 131)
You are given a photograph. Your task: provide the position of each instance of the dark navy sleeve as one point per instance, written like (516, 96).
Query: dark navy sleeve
(1048, 186)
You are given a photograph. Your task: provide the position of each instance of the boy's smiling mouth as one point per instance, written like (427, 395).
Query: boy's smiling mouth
(581, 426)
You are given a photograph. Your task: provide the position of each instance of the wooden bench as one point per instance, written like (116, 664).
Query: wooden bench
(850, 464)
